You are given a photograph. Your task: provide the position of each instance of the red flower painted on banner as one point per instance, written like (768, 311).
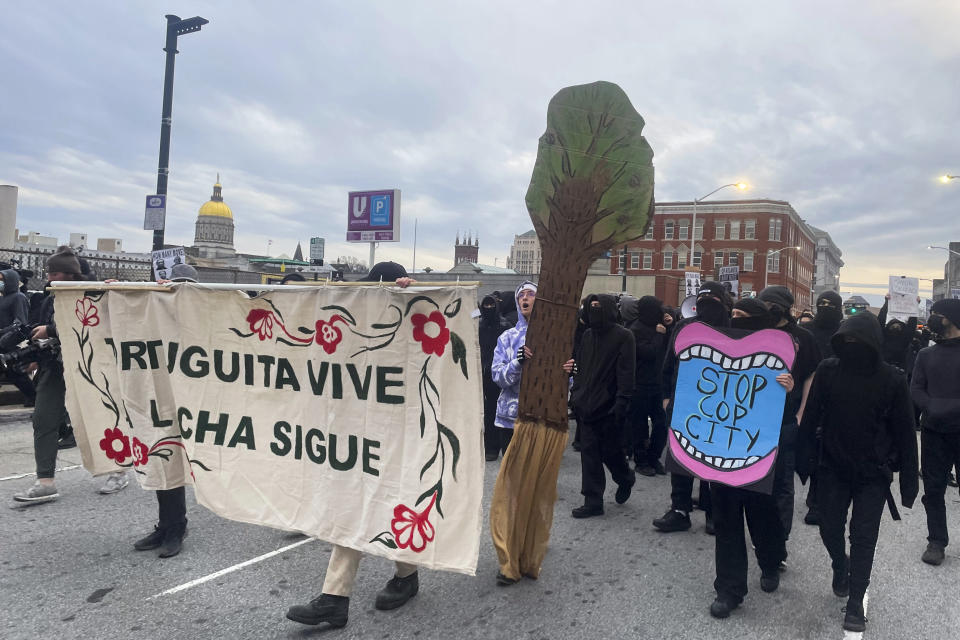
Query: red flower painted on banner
(140, 452)
(431, 343)
(413, 530)
(87, 312)
(328, 336)
(115, 445)
(261, 322)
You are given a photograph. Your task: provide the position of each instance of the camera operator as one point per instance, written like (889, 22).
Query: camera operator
(50, 411)
(15, 310)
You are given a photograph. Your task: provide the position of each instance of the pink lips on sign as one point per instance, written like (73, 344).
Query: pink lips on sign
(773, 341)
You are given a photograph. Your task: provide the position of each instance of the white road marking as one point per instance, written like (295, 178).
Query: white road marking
(236, 567)
(18, 476)
(857, 635)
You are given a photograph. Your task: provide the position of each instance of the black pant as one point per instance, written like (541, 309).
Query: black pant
(812, 493)
(22, 382)
(601, 443)
(491, 433)
(648, 425)
(506, 436)
(939, 454)
(730, 505)
(48, 416)
(834, 496)
(681, 494)
(783, 474)
(172, 505)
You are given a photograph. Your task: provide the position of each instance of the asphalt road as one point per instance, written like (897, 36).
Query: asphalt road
(68, 570)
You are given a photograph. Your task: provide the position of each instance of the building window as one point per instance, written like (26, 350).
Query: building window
(697, 258)
(718, 258)
(634, 260)
(682, 260)
(719, 229)
(734, 230)
(649, 235)
(684, 229)
(698, 232)
(748, 261)
(776, 226)
(750, 230)
(668, 230)
(773, 263)
(734, 260)
(668, 259)
(647, 260)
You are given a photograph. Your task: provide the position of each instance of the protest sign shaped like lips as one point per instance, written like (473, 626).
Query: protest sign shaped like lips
(728, 405)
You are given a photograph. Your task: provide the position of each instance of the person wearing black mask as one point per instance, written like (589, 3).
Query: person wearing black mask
(647, 418)
(857, 431)
(603, 382)
(508, 309)
(936, 390)
(713, 308)
(732, 504)
(491, 326)
(824, 325)
(577, 339)
(897, 337)
(779, 301)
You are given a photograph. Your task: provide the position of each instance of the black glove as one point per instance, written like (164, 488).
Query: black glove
(520, 355)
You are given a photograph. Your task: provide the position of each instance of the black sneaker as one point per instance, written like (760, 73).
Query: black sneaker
(841, 580)
(658, 467)
(770, 581)
(854, 619)
(491, 456)
(67, 442)
(934, 554)
(397, 592)
(173, 541)
(624, 490)
(505, 581)
(587, 511)
(150, 541)
(722, 607)
(708, 527)
(325, 608)
(645, 470)
(812, 517)
(673, 520)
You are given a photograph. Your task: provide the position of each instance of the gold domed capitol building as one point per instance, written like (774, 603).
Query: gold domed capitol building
(214, 231)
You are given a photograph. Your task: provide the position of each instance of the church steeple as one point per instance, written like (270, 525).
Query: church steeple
(217, 195)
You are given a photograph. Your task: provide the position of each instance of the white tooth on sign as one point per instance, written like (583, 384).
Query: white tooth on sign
(717, 357)
(752, 459)
(685, 355)
(779, 364)
(683, 441)
(737, 463)
(695, 351)
(708, 460)
(689, 449)
(727, 463)
(699, 455)
(772, 362)
(759, 360)
(727, 362)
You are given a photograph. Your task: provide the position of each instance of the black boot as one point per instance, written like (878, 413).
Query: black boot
(152, 540)
(324, 608)
(397, 592)
(841, 579)
(855, 620)
(173, 540)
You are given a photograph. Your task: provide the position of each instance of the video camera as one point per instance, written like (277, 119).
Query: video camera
(12, 355)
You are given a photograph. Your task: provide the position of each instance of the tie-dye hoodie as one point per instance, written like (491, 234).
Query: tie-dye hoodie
(506, 367)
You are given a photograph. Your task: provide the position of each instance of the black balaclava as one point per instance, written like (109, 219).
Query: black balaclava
(857, 357)
(780, 300)
(829, 311)
(714, 304)
(489, 314)
(650, 311)
(601, 318)
(758, 318)
(949, 309)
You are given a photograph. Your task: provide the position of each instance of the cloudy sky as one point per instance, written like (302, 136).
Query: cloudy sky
(848, 110)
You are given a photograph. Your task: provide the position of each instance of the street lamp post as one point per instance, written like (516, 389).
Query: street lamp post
(175, 27)
(766, 267)
(948, 292)
(693, 229)
(945, 178)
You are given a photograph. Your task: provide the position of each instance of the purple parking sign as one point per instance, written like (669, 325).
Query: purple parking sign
(373, 216)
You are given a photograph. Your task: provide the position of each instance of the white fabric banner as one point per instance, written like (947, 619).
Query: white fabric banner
(353, 414)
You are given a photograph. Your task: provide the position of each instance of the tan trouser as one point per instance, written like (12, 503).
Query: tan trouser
(342, 571)
(521, 511)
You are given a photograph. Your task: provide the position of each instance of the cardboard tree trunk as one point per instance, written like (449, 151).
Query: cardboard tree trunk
(592, 188)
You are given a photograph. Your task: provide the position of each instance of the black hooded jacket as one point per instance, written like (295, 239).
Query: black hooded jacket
(859, 421)
(604, 382)
(897, 338)
(935, 386)
(651, 345)
(826, 322)
(489, 330)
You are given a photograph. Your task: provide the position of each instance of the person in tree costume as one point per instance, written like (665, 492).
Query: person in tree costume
(592, 188)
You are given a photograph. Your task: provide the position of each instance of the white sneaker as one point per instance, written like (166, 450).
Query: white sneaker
(38, 493)
(116, 481)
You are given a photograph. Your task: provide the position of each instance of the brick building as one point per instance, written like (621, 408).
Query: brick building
(738, 233)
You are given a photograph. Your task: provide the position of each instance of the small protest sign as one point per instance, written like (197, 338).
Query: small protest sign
(903, 298)
(728, 405)
(692, 279)
(164, 259)
(730, 279)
